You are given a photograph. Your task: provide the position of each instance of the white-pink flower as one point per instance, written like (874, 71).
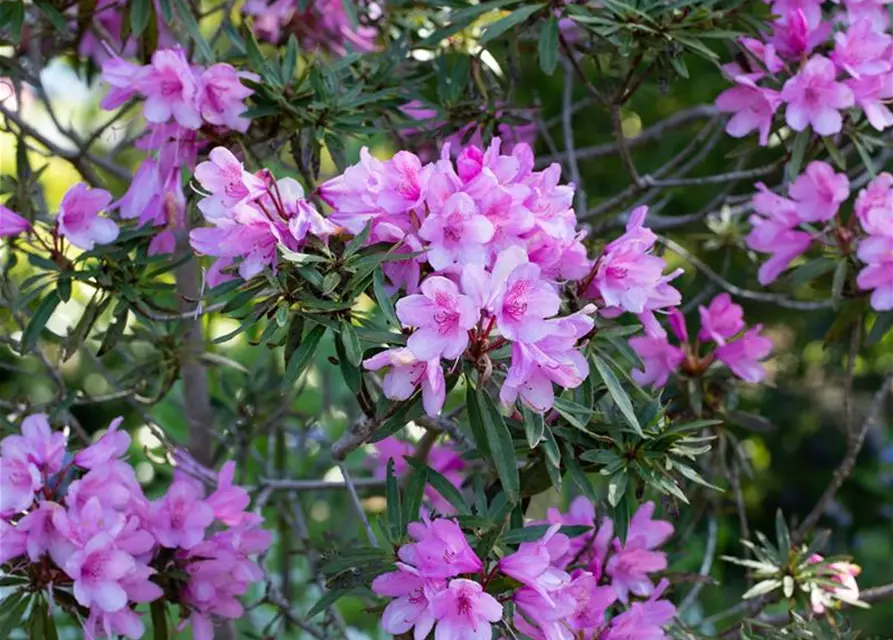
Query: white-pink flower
(171, 89)
(464, 612)
(815, 98)
(443, 317)
(79, 221)
(98, 571)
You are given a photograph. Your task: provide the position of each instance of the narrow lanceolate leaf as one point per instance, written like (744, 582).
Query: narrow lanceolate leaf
(303, 355)
(392, 493)
(415, 491)
(618, 394)
(617, 488)
(500, 441)
(38, 321)
(578, 476)
(184, 13)
(443, 486)
(548, 46)
(534, 425)
(352, 347)
(140, 11)
(515, 17)
(761, 589)
(798, 153)
(383, 299)
(52, 15)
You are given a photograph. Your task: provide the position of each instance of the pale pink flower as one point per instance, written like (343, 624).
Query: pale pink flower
(773, 232)
(464, 612)
(531, 565)
(661, 359)
(643, 620)
(12, 541)
(877, 276)
(79, 221)
(631, 562)
(404, 183)
(457, 233)
(222, 95)
(227, 181)
(874, 204)
(814, 97)
(229, 501)
(721, 320)
(580, 512)
(410, 607)
(11, 223)
(743, 356)
(111, 445)
(797, 34)
(122, 76)
(407, 373)
(19, 480)
(818, 192)
(440, 551)
(844, 573)
(124, 622)
(872, 93)
(98, 571)
(443, 317)
(170, 88)
(38, 444)
(179, 519)
(861, 50)
(753, 106)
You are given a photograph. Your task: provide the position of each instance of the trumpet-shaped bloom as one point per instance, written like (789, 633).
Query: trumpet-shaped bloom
(531, 565)
(661, 359)
(407, 373)
(170, 88)
(98, 571)
(815, 98)
(11, 223)
(457, 234)
(179, 519)
(111, 445)
(743, 356)
(721, 320)
(635, 559)
(79, 221)
(222, 95)
(443, 317)
(411, 607)
(440, 551)
(38, 444)
(818, 192)
(754, 108)
(862, 50)
(464, 612)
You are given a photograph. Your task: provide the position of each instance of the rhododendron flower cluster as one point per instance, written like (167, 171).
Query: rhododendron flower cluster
(321, 24)
(722, 325)
(561, 587)
(180, 99)
(786, 227)
(79, 526)
(497, 241)
(442, 458)
(812, 70)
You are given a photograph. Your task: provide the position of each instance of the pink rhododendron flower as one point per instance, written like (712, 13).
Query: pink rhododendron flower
(796, 34)
(877, 253)
(113, 444)
(815, 98)
(19, 480)
(764, 52)
(635, 559)
(98, 571)
(443, 317)
(456, 235)
(79, 221)
(721, 320)
(411, 605)
(464, 612)
(743, 355)
(873, 206)
(861, 50)
(823, 597)
(872, 94)
(170, 88)
(222, 95)
(818, 192)
(11, 223)
(179, 519)
(38, 444)
(122, 76)
(227, 181)
(531, 565)
(229, 501)
(643, 620)
(580, 512)
(773, 232)
(12, 541)
(660, 358)
(440, 551)
(407, 373)
(753, 106)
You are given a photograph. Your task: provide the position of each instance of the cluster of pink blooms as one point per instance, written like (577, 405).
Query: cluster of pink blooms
(813, 69)
(495, 240)
(79, 525)
(78, 220)
(786, 227)
(180, 100)
(323, 24)
(442, 458)
(565, 586)
(722, 326)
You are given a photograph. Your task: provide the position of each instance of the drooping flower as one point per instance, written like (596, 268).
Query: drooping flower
(721, 320)
(170, 88)
(440, 549)
(818, 192)
(11, 223)
(754, 108)
(222, 95)
(815, 98)
(660, 358)
(632, 561)
(79, 221)
(407, 374)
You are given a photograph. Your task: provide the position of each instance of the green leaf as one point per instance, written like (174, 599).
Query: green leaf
(415, 492)
(352, 347)
(52, 15)
(835, 153)
(38, 321)
(501, 447)
(619, 395)
(617, 487)
(534, 426)
(782, 534)
(140, 12)
(114, 332)
(392, 493)
(534, 532)
(303, 355)
(882, 324)
(515, 17)
(12, 15)
(184, 12)
(290, 60)
(14, 614)
(865, 157)
(409, 410)
(476, 421)
(548, 46)
(328, 599)
(159, 620)
(578, 476)
(357, 242)
(383, 299)
(811, 270)
(839, 281)
(798, 153)
(443, 486)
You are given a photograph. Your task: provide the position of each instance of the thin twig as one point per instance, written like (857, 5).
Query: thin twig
(357, 505)
(706, 564)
